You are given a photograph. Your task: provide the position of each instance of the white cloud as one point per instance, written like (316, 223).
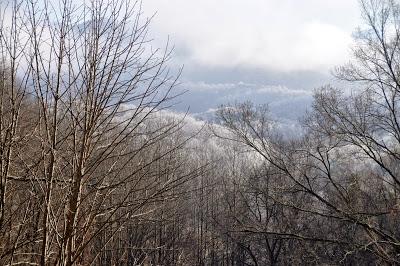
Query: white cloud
(284, 35)
(204, 86)
(283, 91)
(244, 88)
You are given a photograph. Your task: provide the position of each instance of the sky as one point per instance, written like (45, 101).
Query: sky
(274, 52)
(281, 35)
(267, 51)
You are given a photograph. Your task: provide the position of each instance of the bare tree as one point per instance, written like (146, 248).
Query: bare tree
(323, 192)
(96, 139)
(357, 196)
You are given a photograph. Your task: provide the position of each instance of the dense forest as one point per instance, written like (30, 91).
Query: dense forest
(96, 169)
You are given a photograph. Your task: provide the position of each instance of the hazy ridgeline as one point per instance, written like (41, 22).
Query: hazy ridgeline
(96, 170)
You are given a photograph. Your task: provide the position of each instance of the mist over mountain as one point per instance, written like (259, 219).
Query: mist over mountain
(287, 94)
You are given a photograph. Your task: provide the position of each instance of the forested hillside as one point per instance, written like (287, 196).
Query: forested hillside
(96, 169)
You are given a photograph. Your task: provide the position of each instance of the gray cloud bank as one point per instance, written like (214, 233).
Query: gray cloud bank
(287, 94)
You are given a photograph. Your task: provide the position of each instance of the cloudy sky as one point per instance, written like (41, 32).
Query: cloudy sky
(260, 50)
(282, 35)
(266, 51)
